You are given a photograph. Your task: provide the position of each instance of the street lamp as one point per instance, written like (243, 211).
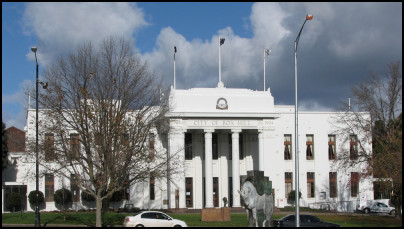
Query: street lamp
(37, 216)
(308, 17)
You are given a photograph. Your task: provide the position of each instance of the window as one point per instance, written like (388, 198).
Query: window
(215, 191)
(125, 139)
(74, 180)
(188, 146)
(333, 184)
(49, 187)
(230, 147)
(215, 154)
(151, 189)
(125, 191)
(188, 192)
(287, 142)
(74, 146)
(353, 147)
(288, 183)
(149, 215)
(310, 148)
(382, 190)
(310, 185)
(240, 146)
(151, 146)
(98, 139)
(331, 147)
(49, 147)
(354, 184)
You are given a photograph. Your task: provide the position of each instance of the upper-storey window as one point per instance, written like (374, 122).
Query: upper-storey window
(49, 146)
(353, 147)
(309, 147)
(188, 146)
(74, 146)
(151, 146)
(287, 142)
(215, 153)
(331, 147)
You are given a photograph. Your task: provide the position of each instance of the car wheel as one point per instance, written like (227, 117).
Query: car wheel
(366, 210)
(393, 212)
(177, 225)
(139, 225)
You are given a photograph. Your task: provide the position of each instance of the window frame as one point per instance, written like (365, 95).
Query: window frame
(309, 145)
(287, 145)
(332, 138)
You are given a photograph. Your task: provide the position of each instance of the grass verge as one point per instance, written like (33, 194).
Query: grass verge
(237, 220)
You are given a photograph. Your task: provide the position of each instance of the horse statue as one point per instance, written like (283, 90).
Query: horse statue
(254, 202)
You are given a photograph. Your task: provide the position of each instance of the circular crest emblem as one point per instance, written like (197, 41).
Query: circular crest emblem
(221, 104)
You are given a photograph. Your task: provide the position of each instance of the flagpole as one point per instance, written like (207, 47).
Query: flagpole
(266, 53)
(220, 64)
(264, 66)
(175, 50)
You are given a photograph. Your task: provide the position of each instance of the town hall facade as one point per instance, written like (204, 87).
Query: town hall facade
(221, 133)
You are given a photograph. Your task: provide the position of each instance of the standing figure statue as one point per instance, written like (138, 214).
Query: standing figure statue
(254, 202)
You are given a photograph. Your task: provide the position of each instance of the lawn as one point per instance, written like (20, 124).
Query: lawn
(237, 220)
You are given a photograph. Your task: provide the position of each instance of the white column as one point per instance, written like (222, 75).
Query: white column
(260, 150)
(208, 169)
(177, 181)
(235, 167)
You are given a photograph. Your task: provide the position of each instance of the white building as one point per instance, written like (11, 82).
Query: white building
(222, 133)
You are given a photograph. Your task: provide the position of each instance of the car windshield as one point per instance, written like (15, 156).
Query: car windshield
(137, 213)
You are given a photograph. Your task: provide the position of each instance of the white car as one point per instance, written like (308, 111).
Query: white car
(378, 207)
(152, 219)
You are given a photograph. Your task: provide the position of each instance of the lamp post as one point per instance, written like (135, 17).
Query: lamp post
(37, 216)
(308, 17)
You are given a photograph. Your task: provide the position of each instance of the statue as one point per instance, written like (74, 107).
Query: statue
(225, 201)
(254, 202)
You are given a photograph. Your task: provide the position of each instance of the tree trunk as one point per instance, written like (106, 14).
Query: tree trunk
(98, 206)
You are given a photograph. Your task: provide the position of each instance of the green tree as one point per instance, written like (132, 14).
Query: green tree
(4, 148)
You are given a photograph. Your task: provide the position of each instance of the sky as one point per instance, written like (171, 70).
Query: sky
(339, 48)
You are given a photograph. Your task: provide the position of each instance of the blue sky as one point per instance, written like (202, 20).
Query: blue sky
(343, 44)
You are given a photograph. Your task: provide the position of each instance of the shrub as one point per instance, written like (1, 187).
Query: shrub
(63, 197)
(87, 197)
(14, 201)
(292, 198)
(32, 198)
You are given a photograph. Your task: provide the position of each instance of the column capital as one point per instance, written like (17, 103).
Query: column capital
(208, 130)
(177, 130)
(236, 130)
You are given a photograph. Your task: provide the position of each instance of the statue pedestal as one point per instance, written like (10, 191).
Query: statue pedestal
(215, 214)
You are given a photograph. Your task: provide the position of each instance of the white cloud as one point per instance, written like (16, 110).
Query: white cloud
(339, 36)
(311, 105)
(20, 95)
(197, 62)
(60, 27)
(12, 115)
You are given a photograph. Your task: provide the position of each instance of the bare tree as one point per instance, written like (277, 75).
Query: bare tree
(374, 116)
(102, 105)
